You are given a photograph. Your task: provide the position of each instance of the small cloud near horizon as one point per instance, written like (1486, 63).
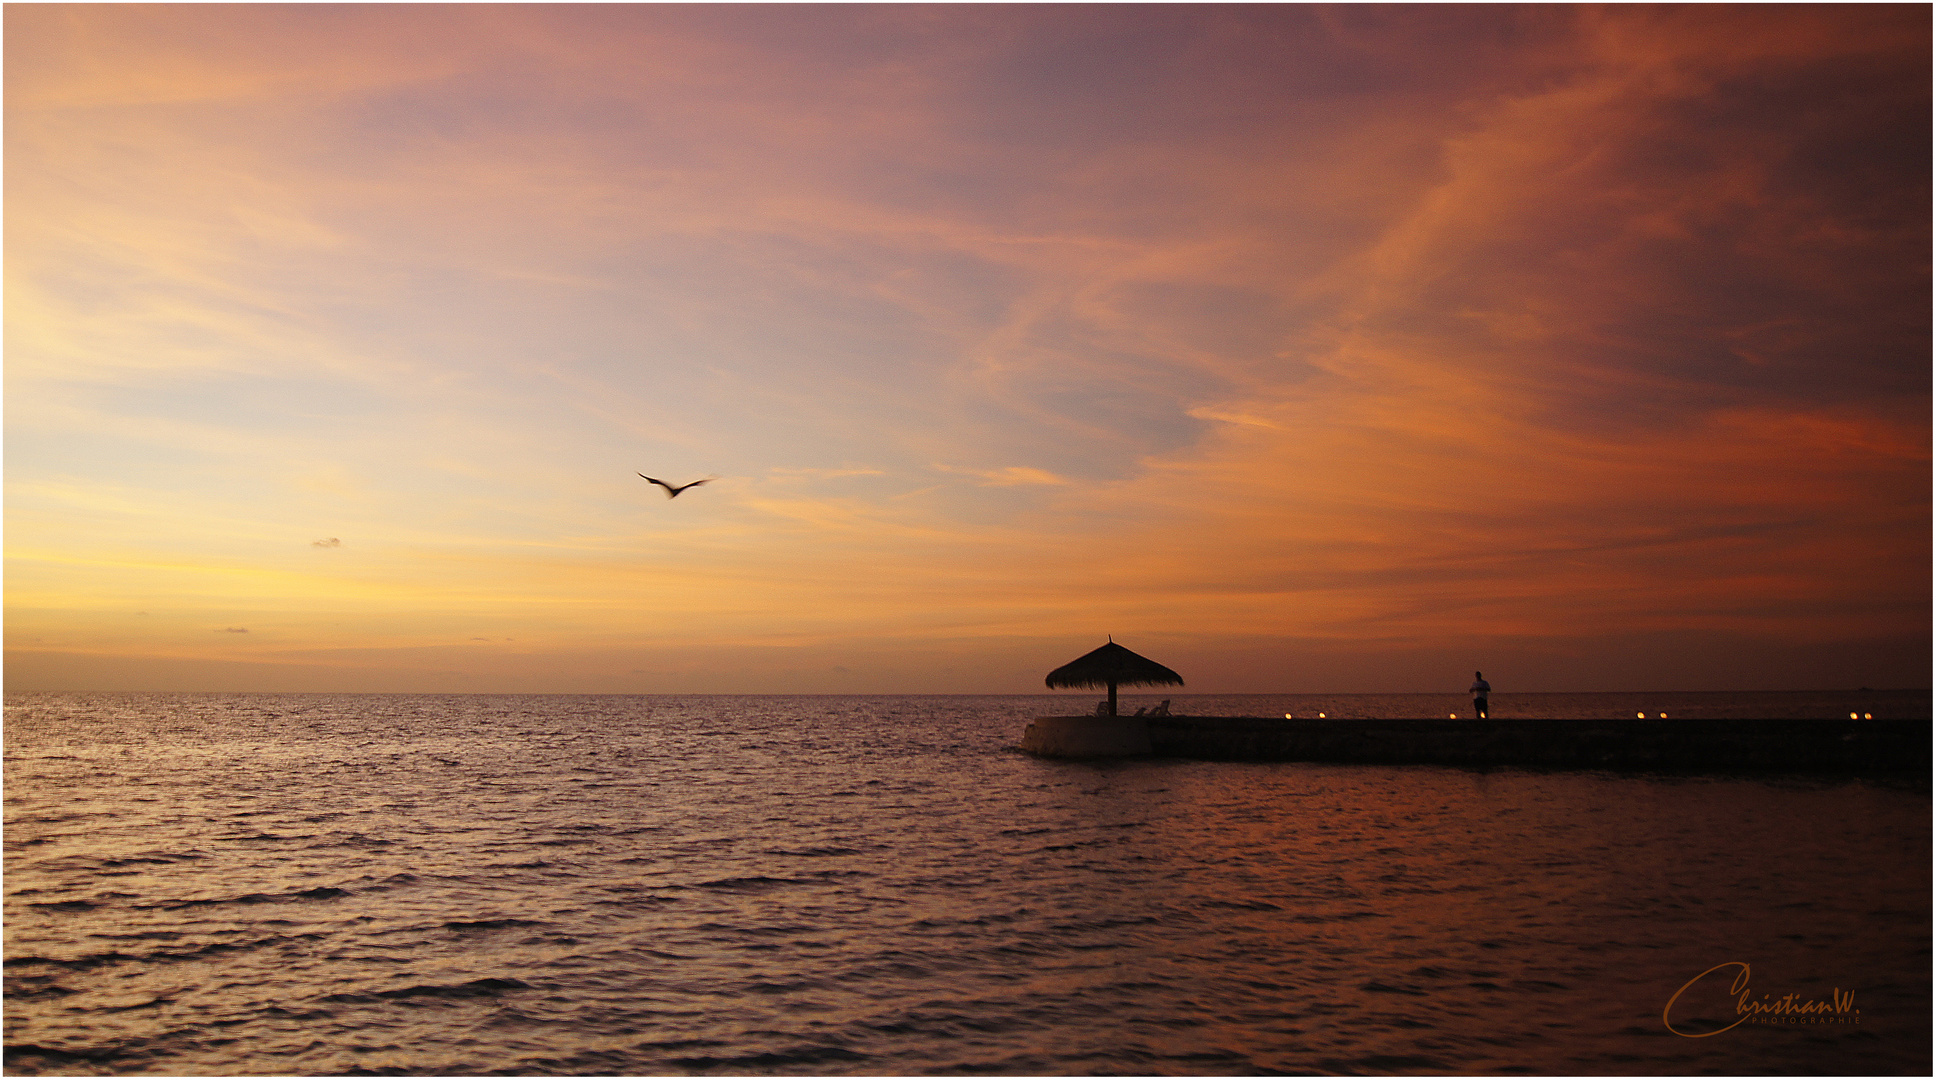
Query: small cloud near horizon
(329, 541)
(1205, 413)
(235, 630)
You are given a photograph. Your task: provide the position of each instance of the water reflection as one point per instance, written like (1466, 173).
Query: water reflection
(312, 884)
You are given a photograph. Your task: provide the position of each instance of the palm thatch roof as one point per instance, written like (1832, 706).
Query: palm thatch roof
(1113, 666)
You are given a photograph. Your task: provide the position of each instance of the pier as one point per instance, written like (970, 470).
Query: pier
(1834, 746)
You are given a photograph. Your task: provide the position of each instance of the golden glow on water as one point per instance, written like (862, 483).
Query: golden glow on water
(594, 884)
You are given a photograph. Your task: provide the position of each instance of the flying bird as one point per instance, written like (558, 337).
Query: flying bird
(672, 492)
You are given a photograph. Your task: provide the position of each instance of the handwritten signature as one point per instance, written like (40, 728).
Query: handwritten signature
(1787, 1009)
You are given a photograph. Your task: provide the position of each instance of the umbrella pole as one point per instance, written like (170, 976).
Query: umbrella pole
(1112, 699)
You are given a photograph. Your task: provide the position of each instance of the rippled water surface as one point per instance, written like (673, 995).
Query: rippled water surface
(303, 884)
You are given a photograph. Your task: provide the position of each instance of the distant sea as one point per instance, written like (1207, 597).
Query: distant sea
(260, 884)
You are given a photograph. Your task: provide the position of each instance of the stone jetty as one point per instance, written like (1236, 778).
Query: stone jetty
(1840, 746)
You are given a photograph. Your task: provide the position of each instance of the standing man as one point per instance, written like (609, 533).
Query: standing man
(1479, 689)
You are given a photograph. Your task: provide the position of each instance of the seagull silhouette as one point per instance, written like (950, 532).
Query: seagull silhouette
(672, 492)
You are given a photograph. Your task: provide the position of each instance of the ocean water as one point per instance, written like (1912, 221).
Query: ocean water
(470, 885)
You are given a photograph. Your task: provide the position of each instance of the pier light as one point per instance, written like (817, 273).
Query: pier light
(1640, 716)
(1288, 716)
(1452, 716)
(1663, 716)
(1866, 716)
(1852, 716)
(1320, 716)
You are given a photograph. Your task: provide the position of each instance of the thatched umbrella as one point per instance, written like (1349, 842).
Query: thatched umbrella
(1111, 666)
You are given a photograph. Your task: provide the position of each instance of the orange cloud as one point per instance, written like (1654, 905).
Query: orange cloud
(1563, 331)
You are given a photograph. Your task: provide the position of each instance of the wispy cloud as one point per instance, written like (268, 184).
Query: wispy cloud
(1008, 476)
(1390, 327)
(783, 473)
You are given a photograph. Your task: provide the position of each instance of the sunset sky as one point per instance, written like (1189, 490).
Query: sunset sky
(1301, 349)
